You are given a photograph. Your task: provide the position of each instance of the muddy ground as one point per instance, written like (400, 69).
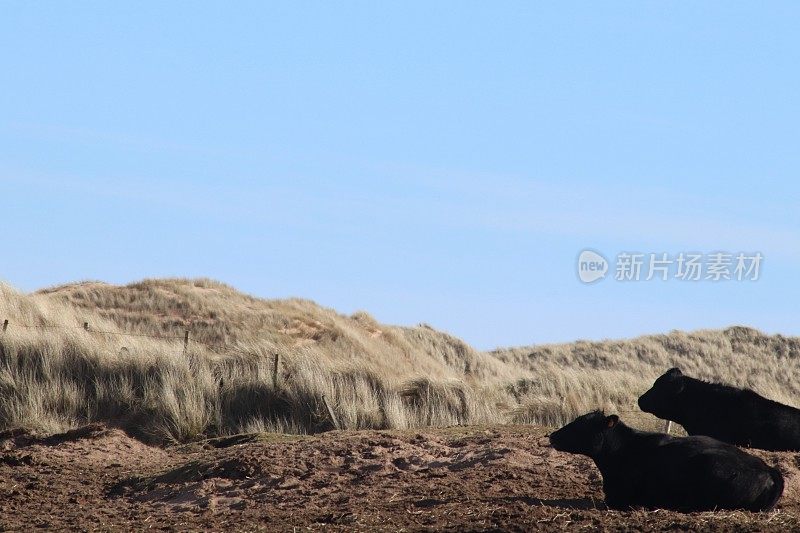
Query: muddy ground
(461, 479)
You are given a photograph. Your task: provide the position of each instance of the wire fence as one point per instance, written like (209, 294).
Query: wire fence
(186, 337)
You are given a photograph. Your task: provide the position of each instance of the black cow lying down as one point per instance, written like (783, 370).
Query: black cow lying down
(735, 416)
(655, 470)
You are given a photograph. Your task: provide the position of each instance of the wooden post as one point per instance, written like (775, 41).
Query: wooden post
(185, 341)
(86, 326)
(276, 368)
(667, 426)
(330, 412)
(5, 325)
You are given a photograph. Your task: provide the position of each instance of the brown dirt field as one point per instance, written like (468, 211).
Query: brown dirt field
(503, 478)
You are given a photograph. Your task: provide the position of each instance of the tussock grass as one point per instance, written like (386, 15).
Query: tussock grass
(372, 375)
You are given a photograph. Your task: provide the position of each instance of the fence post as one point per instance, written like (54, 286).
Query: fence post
(185, 341)
(330, 412)
(5, 325)
(86, 326)
(667, 426)
(276, 365)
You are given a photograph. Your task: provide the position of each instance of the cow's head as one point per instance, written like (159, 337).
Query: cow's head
(661, 399)
(585, 435)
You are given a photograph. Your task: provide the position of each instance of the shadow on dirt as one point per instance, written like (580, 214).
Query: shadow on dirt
(20, 438)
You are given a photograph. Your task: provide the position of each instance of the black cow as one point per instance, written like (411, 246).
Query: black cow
(736, 416)
(655, 470)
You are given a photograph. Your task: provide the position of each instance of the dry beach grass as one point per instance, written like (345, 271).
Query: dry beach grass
(130, 369)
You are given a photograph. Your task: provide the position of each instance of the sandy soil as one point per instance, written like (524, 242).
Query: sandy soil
(464, 479)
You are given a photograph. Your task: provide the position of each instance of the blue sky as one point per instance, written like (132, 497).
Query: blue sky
(437, 163)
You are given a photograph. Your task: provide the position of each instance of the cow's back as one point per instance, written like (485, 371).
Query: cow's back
(690, 474)
(706, 474)
(741, 417)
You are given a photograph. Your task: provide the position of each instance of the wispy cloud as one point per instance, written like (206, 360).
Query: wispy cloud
(659, 218)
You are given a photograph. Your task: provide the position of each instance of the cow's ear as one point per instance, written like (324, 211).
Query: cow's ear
(611, 421)
(674, 372)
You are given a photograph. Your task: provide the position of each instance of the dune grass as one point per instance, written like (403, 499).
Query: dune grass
(130, 369)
